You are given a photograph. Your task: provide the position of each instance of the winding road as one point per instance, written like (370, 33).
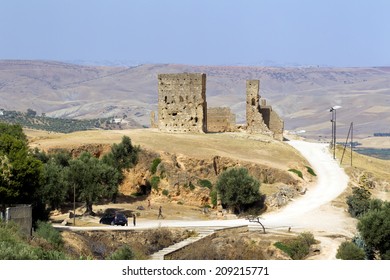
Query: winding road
(310, 212)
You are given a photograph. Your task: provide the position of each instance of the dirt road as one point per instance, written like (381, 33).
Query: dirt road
(311, 212)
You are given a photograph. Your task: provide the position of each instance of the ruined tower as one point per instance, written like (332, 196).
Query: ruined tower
(254, 119)
(182, 103)
(260, 118)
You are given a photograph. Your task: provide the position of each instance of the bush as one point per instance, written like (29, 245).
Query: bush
(123, 253)
(14, 246)
(350, 251)
(238, 189)
(297, 248)
(47, 232)
(154, 182)
(359, 201)
(165, 192)
(155, 163)
(374, 228)
(214, 197)
(310, 171)
(205, 183)
(297, 172)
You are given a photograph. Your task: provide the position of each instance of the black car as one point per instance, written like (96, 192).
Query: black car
(111, 219)
(120, 219)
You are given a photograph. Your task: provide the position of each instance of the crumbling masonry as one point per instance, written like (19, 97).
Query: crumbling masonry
(182, 103)
(260, 118)
(182, 107)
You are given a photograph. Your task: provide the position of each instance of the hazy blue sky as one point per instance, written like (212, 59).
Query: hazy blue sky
(306, 32)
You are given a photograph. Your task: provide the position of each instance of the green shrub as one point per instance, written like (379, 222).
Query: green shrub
(307, 237)
(310, 171)
(14, 246)
(359, 201)
(350, 251)
(297, 248)
(191, 186)
(155, 163)
(50, 234)
(165, 192)
(214, 197)
(123, 253)
(238, 189)
(297, 172)
(205, 183)
(154, 182)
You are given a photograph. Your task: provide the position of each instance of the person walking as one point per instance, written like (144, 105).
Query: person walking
(160, 213)
(134, 219)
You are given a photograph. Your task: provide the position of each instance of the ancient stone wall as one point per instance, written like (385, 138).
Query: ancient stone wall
(182, 103)
(254, 119)
(260, 117)
(273, 121)
(220, 119)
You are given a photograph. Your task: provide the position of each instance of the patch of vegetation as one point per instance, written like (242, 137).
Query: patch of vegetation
(359, 201)
(350, 251)
(310, 171)
(154, 182)
(205, 183)
(297, 248)
(214, 197)
(155, 163)
(15, 246)
(31, 120)
(123, 253)
(50, 234)
(165, 192)
(297, 172)
(374, 228)
(237, 189)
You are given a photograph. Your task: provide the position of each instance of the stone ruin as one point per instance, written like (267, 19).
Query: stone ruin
(221, 119)
(260, 118)
(182, 103)
(182, 108)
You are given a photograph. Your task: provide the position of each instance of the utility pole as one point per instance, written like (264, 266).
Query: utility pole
(333, 120)
(74, 204)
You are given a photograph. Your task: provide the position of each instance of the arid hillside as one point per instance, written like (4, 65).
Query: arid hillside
(188, 158)
(302, 96)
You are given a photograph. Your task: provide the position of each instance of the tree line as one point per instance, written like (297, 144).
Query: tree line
(47, 180)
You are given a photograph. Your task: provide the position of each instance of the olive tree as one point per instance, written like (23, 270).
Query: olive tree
(237, 189)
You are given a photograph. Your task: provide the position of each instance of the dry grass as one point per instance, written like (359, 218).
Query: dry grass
(240, 146)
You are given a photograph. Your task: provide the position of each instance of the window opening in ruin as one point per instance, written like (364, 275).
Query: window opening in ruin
(196, 119)
(181, 98)
(174, 114)
(165, 99)
(253, 102)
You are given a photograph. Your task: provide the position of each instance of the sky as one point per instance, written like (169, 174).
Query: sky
(340, 33)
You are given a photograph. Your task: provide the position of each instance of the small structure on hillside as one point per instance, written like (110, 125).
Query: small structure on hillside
(182, 107)
(260, 118)
(182, 103)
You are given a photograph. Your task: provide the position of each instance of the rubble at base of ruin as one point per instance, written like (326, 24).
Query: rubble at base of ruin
(182, 108)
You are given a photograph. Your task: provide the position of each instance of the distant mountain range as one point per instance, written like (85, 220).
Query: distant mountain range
(301, 95)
